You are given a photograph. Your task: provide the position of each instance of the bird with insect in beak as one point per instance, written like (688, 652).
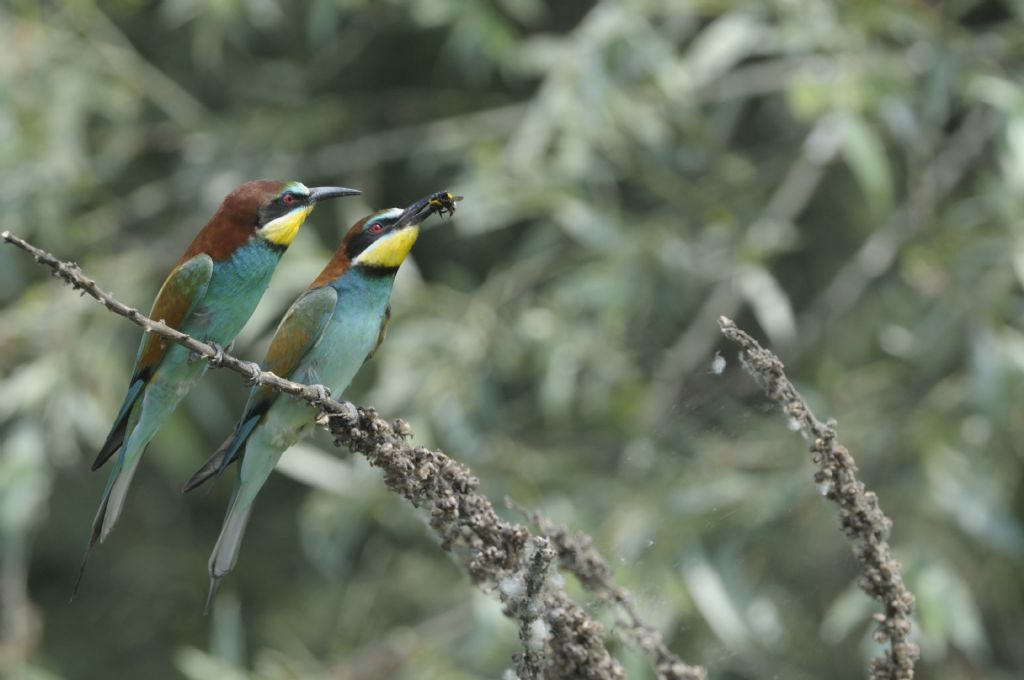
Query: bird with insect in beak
(324, 338)
(210, 293)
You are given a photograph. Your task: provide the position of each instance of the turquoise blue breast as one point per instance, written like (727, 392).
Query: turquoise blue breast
(235, 289)
(346, 341)
(353, 329)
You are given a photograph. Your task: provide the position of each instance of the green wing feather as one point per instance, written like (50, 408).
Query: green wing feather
(296, 336)
(184, 287)
(298, 333)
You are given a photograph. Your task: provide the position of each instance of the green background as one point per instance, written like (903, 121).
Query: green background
(846, 180)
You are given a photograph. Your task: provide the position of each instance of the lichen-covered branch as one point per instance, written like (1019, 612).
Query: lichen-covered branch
(560, 640)
(862, 520)
(577, 555)
(524, 602)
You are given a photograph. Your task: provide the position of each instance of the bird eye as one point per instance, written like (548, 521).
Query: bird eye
(376, 228)
(289, 199)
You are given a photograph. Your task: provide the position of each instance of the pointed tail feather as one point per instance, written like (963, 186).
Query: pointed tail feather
(111, 445)
(81, 573)
(211, 593)
(213, 467)
(120, 427)
(93, 537)
(110, 509)
(228, 452)
(225, 552)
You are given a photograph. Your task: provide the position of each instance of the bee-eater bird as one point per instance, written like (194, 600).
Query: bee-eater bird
(210, 293)
(324, 338)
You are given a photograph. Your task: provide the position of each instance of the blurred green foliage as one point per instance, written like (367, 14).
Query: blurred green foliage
(845, 179)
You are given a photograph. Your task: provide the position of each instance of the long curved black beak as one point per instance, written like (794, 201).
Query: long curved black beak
(324, 193)
(439, 202)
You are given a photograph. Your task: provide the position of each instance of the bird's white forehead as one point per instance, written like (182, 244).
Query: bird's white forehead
(297, 187)
(389, 214)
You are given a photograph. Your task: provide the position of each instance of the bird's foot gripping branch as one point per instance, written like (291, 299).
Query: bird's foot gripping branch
(560, 639)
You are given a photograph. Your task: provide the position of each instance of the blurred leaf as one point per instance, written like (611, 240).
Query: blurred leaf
(25, 477)
(948, 613)
(865, 153)
(197, 665)
(849, 611)
(770, 304)
(712, 596)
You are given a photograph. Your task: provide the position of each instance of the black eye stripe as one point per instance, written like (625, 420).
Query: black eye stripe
(278, 207)
(367, 236)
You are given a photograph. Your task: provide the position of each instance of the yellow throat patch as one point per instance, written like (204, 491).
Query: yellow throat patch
(282, 231)
(391, 250)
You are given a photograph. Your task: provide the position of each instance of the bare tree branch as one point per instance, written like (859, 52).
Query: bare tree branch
(560, 639)
(861, 519)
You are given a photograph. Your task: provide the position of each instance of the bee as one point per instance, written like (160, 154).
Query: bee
(444, 201)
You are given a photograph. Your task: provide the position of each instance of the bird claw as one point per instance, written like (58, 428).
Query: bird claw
(217, 360)
(254, 372)
(322, 394)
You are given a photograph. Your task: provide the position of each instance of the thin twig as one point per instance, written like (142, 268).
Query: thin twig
(862, 520)
(561, 640)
